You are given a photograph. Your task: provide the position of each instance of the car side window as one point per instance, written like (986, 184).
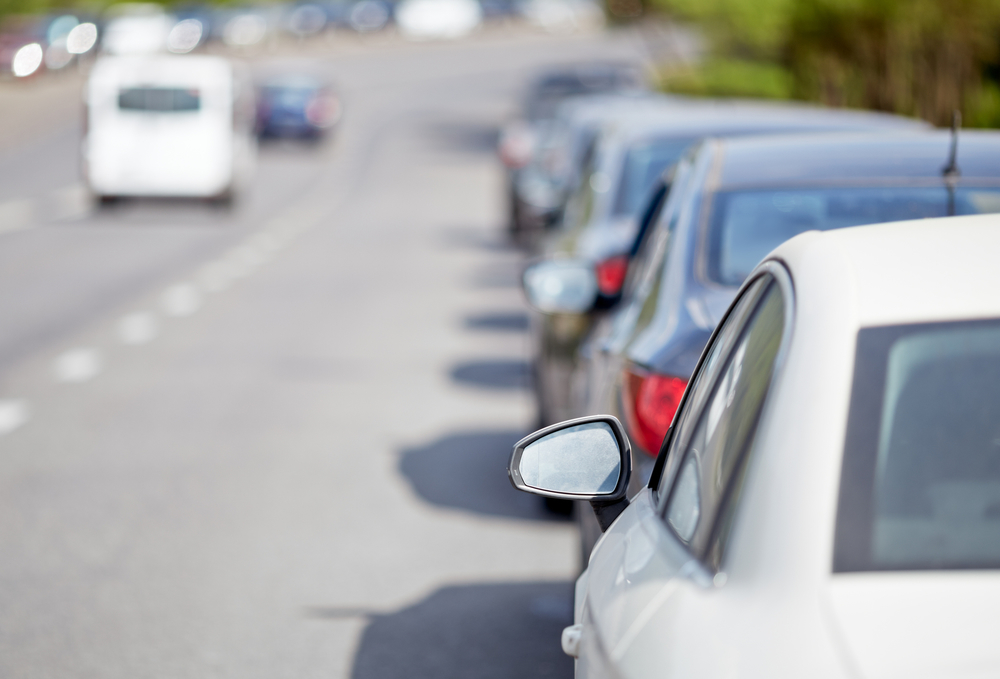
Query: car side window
(713, 454)
(703, 381)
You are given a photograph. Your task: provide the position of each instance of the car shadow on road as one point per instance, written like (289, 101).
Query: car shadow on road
(468, 471)
(463, 136)
(481, 631)
(498, 321)
(501, 373)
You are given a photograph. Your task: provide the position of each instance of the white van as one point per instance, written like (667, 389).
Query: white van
(160, 125)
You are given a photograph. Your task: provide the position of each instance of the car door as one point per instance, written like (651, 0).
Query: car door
(652, 577)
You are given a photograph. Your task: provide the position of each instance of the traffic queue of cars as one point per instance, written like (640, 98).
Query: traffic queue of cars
(163, 122)
(780, 402)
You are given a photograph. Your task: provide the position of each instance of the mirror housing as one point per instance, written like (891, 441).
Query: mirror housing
(567, 286)
(588, 458)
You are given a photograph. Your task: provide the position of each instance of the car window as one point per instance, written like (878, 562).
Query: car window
(159, 99)
(643, 163)
(920, 484)
(701, 385)
(642, 282)
(746, 225)
(715, 452)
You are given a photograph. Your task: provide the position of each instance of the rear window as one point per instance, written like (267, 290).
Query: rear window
(644, 163)
(746, 225)
(920, 486)
(159, 99)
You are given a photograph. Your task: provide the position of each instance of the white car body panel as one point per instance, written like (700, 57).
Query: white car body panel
(777, 608)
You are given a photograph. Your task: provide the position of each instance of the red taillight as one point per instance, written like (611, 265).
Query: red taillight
(650, 401)
(516, 146)
(611, 275)
(323, 111)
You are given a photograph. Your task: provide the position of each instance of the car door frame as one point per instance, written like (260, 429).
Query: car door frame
(783, 279)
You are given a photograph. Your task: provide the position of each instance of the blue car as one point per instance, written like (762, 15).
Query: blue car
(297, 107)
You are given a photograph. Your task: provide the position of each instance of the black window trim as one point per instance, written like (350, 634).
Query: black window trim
(783, 279)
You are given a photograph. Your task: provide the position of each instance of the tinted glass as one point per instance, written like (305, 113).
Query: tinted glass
(159, 99)
(726, 426)
(703, 382)
(644, 164)
(920, 486)
(746, 225)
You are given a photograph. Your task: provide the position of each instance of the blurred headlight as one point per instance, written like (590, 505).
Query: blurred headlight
(185, 36)
(81, 39)
(27, 60)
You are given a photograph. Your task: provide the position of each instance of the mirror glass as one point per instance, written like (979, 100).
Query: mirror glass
(583, 459)
(561, 286)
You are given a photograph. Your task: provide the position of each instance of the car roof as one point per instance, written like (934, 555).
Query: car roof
(804, 159)
(161, 68)
(727, 118)
(921, 271)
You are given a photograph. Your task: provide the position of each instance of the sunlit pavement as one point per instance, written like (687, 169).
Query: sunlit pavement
(270, 442)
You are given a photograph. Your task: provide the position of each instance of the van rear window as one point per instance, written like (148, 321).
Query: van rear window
(159, 99)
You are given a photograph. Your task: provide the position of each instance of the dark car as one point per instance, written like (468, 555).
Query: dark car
(733, 201)
(519, 138)
(296, 106)
(562, 149)
(602, 219)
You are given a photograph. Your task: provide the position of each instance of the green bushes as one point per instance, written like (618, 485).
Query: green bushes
(917, 57)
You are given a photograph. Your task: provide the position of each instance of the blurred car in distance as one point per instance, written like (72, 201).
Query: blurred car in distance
(518, 140)
(437, 19)
(22, 46)
(136, 28)
(825, 503)
(162, 125)
(296, 106)
(368, 16)
(562, 148)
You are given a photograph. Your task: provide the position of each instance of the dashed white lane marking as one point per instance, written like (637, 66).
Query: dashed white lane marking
(71, 203)
(16, 215)
(139, 328)
(244, 259)
(13, 413)
(215, 276)
(182, 299)
(77, 365)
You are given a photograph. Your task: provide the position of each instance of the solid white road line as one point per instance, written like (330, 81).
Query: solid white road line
(13, 413)
(77, 365)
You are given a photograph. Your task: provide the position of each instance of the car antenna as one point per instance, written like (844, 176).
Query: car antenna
(950, 172)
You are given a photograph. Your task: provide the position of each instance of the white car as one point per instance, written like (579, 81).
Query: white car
(164, 125)
(827, 501)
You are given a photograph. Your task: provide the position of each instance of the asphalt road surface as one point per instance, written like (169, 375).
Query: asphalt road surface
(270, 442)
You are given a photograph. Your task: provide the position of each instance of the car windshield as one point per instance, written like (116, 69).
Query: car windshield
(920, 487)
(746, 225)
(643, 164)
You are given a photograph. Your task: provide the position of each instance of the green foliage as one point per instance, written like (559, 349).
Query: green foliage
(919, 57)
(747, 27)
(731, 78)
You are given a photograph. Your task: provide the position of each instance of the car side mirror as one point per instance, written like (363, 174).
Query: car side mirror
(588, 458)
(566, 286)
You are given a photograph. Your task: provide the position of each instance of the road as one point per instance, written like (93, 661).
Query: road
(270, 442)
